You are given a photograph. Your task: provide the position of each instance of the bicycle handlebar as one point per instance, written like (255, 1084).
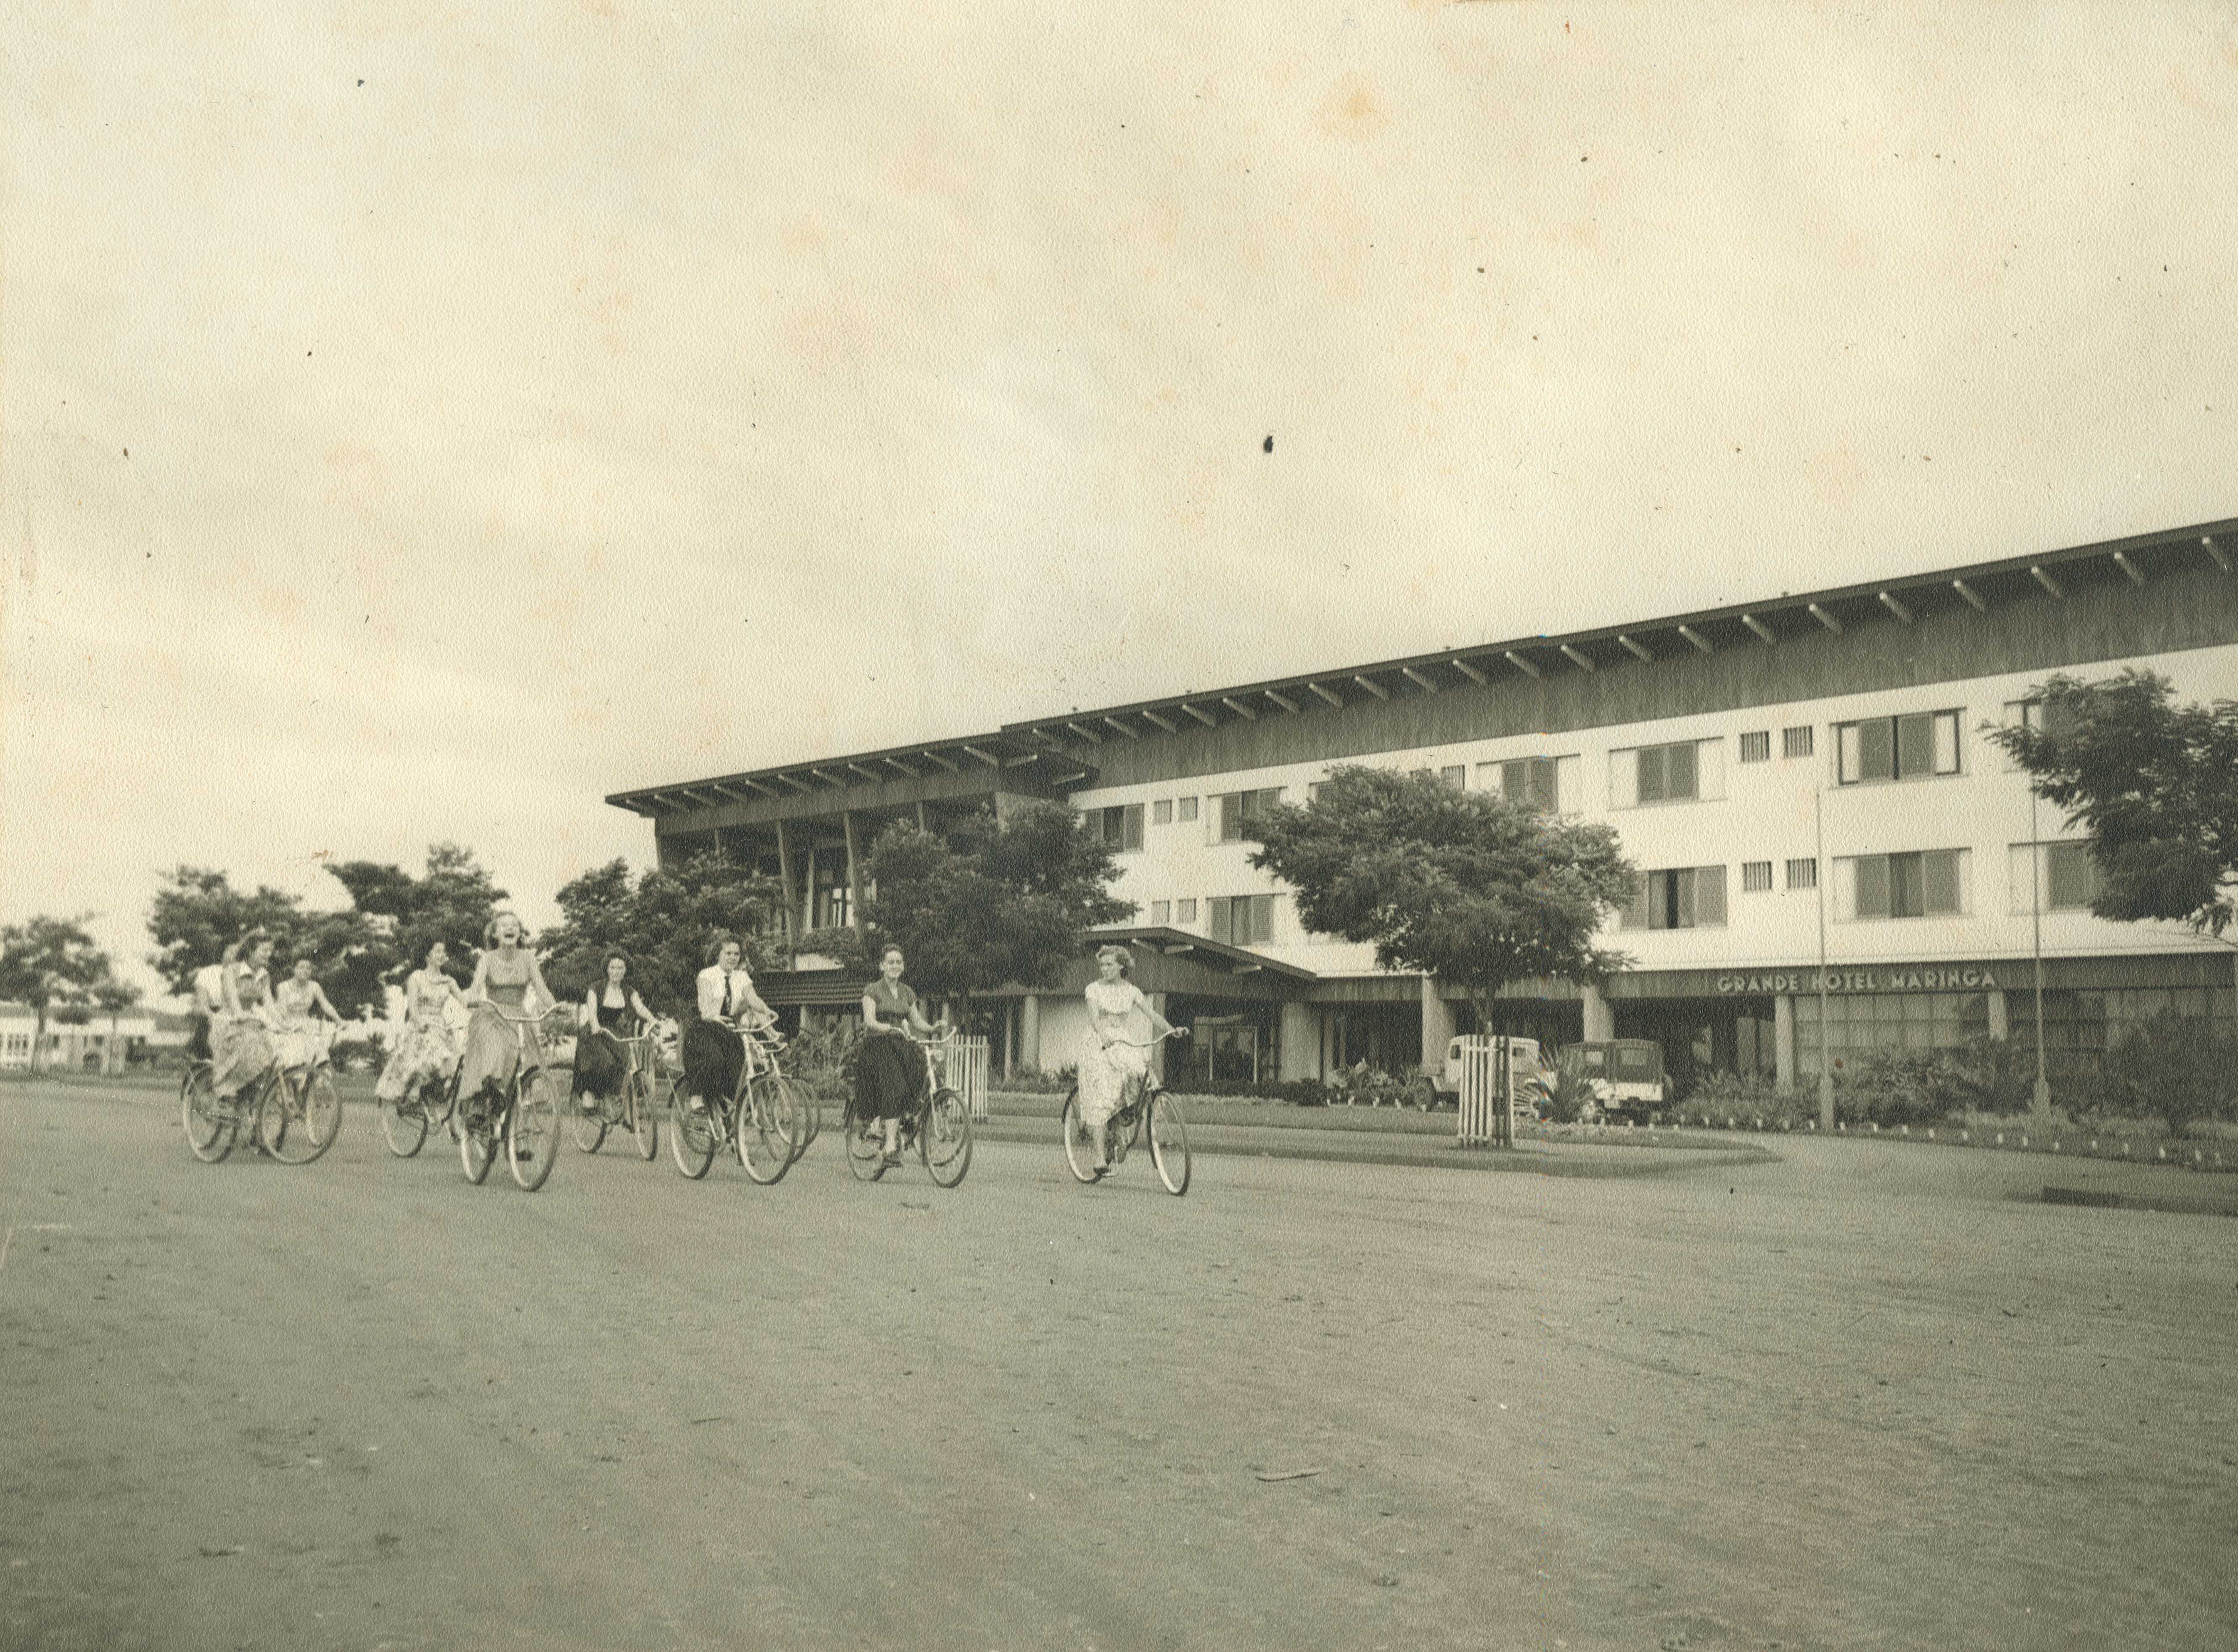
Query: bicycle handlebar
(1170, 1032)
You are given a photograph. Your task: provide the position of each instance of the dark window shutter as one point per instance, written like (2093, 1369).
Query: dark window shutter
(1873, 886)
(1680, 772)
(1877, 750)
(1939, 872)
(1219, 920)
(1130, 830)
(1710, 895)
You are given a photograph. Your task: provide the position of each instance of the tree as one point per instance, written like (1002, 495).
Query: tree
(48, 963)
(450, 903)
(113, 998)
(2156, 784)
(663, 920)
(989, 904)
(1465, 885)
(197, 913)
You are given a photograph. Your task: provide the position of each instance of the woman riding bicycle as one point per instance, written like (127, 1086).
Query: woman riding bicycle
(240, 1041)
(890, 1075)
(1123, 1025)
(501, 1038)
(297, 1006)
(611, 1012)
(714, 1053)
(426, 1049)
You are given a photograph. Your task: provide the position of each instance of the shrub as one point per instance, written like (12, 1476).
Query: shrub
(2177, 1071)
(1752, 1097)
(1301, 1092)
(1032, 1081)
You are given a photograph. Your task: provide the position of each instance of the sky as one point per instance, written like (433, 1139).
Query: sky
(420, 419)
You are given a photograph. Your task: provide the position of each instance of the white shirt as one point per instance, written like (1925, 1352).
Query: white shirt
(710, 991)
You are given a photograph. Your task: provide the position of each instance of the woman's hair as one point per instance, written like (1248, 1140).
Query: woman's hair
(428, 952)
(489, 930)
(718, 941)
(613, 952)
(1126, 958)
(892, 949)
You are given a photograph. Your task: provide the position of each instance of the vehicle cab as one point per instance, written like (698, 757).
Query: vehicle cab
(1619, 1075)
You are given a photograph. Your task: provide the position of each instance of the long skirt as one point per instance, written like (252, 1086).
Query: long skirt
(427, 1050)
(713, 1057)
(1108, 1077)
(496, 1049)
(244, 1049)
(601, 1061)
(889, 1076)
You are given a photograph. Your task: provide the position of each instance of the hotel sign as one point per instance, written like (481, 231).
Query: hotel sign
(1934, 977)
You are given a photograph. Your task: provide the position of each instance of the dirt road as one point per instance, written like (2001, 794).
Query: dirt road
(1856, 1398)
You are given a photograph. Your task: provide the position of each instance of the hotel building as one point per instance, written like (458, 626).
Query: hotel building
(1803, 776)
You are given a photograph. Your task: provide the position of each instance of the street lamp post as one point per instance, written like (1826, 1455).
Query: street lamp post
(2041, 1099)
(1826, 1030)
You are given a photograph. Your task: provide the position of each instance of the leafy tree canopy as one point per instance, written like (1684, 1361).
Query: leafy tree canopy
(197, 913)
(989, 903)
(2156, 784)
(52, 965)
(663, 920)
(1466, 886)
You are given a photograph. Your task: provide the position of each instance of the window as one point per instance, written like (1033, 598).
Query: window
(1677, 772)
(2065, 877)
(1756, 875)
(1184, 809)
(1803, 875)
(1794, 742)
(1238, 809)
(1756, 745)
(1682, 897)
(1240, 920)
(1535, 780)
(1162, 812)
(1185, 911)
(1923, 884)
(1456, 775)
(1859, 1023)
(1121, 826)
(1911, 747)
(1161, 912)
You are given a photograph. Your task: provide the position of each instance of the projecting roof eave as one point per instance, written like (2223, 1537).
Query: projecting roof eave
(1796, 615)
(1171, 942)
(991, 755)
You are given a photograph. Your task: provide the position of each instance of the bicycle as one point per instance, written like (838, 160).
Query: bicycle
(275, 1101)
(764, 1119)
(405, 1122)
(525, 1119)
(1148, 1106)
(939, 1125)
(636, 1105)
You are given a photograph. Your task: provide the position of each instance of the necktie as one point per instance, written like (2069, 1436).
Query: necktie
(726, 993)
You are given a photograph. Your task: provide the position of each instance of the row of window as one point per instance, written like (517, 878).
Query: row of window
(1922, 883)
(1911, 746)
(1240, 920)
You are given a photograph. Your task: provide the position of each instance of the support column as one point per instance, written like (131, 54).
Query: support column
(922, 824)
(1597, 1016)
(1302, 1042)
(1437, 1025)
(808, 890)
(2001, 1025)
(854, 873)
(1030, 1030)
(1783, 1043)
(785, 881)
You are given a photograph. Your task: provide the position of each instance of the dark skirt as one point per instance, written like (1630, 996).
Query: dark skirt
(713, 1057)
(599, 1063)
(889, 1076)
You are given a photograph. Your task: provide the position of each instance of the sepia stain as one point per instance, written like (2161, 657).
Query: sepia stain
(1837, 476)
(358, 480)
(1350, 109)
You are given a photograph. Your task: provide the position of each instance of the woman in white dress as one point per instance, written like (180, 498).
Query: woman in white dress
(427, 1048)
(298, 1005)
(1123, 1027)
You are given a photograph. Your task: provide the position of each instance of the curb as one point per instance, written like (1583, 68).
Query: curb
(2070, 1144)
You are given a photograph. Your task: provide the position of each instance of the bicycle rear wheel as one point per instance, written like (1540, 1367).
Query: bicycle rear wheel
(811, 1114)
(866, 1148)
(647, 1104)
(1170, 1149)
(311, 1117)
(476, 1129)
(210, 1124)
(691, 1136)
(588, 1127)
(943, 1140)
(768, 1130)
(1079, 1152)
(532, 1130)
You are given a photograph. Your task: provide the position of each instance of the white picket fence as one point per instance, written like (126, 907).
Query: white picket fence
(967, 1073)
(1487, 1109)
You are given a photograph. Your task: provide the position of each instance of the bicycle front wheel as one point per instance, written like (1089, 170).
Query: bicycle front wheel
(943, 1141)
(311, 1117)
(1169, 1144)
(768, 1129)
(209, 1123)
(647, 1104)
(1079, 1152)
(531, 1131)
(477, 1133)
(587, 1125)
(866, 1148)
(403, 1123)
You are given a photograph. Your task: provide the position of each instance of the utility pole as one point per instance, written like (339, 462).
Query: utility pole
(1826, 1027)
(2041, 1100)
